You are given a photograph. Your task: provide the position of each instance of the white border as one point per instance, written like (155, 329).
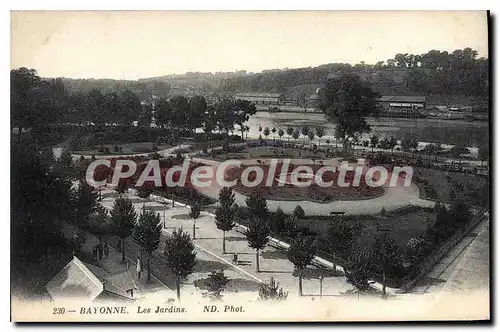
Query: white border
(190, 4)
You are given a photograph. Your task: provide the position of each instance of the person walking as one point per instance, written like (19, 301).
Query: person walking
(99, 251)
(106, 250)
(138, 268)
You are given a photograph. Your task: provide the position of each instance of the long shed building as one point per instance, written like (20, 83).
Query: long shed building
(262, 98)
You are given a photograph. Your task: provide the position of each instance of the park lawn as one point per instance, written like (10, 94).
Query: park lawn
(402, 225)
(127, 148)
(270, 152)
(438, 180)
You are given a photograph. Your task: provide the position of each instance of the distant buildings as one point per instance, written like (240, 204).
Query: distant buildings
(413, 102)
(262, 98)
(401, 106)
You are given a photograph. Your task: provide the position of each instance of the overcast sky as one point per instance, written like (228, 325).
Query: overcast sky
(132, 45)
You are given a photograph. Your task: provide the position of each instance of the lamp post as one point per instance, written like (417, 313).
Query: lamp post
(321, 277)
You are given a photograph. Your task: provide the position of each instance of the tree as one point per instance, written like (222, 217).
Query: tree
(98, 224)
(195, 214)
(291, 225)
(299, 212)
(144, 191)
(304, 131)
(457, 151)
(281, 132)
(300, 253)
(346, 102)
(374, 139)
(409, 144)
(123, 217)
(216, 283)
(147, 234)
(122, 186)
(273, 130)
(277, 221)
(272, 291)
(244, 109)
(144, 119)
(386, 257)
(257, 204)
(33, 103)
(198, 106)
(295, 135)
(392, 144)
(433, 149)
(163, 114)
(311, 136)
(257, 235)
(226, 197)
(359, 268)
(341, 236)
(483, 153)
(181, 113)
(266, 132)
(86, 203)
(41, 201)
(289, 132)
(225, 213)
(320, 132)
(129, 108)
(180, 256)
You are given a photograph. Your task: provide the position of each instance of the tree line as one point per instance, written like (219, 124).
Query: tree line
(436, 72)
(36, 103)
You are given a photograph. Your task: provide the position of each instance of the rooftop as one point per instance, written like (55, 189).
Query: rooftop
(82, 280)
(402, 99)
(259, 94)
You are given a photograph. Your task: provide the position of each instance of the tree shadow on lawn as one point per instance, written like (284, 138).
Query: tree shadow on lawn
(273, 254)
(183, 216)
(155, 208)
(209, 266)
(316, 273)
(235, 238)
(234, 285)
(138, 200)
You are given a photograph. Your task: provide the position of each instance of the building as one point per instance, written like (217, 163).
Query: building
(79, 280)
(262, 98)
(406, 107)
(412, 102)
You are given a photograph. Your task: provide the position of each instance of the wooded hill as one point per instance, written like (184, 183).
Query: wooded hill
(435, 73)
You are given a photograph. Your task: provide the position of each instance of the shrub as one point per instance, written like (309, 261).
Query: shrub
(144, 192)
(216, 283)
(272, 291)
(299, 212)
(383, 212)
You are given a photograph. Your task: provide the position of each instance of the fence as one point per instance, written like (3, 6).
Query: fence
(423, 269)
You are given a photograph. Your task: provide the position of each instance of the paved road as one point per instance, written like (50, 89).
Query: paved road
(464, 268)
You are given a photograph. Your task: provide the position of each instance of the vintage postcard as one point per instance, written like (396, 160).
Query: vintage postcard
(281, 166)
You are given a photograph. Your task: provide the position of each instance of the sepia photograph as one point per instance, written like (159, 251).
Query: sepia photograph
(250, 166)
